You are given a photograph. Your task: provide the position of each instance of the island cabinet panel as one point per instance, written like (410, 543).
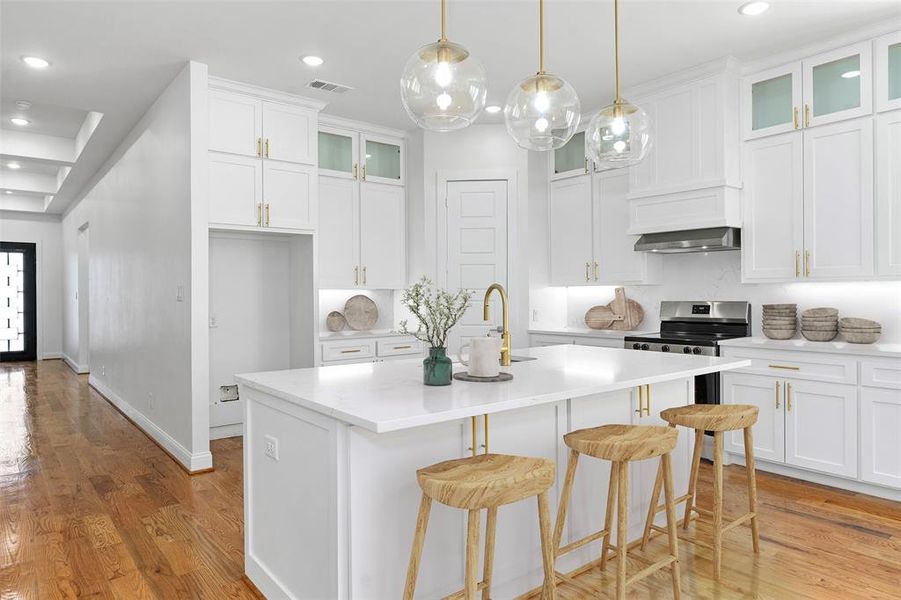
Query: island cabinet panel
(880, 443)
(821, 427)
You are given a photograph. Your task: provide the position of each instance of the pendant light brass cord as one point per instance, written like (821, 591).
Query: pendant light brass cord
(443, 21)
(619, 99)
(541, 37)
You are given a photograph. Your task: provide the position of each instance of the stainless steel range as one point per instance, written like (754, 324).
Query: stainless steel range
(696, 328)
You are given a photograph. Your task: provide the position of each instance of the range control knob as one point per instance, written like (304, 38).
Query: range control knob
(636, 346)
(664, 348)
(696, 350)
(645, 347)
(686, 350)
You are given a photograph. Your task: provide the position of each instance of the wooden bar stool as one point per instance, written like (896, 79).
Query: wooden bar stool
(484, 481)
(717, 418)
(620, 444)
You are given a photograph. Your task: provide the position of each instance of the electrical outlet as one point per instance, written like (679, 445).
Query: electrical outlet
(271, 447)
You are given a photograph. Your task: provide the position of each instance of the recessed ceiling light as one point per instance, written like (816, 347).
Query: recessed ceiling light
(752, 9)
(35, 62)
(494, 108)
(14, 165)
(19, 121)
(312, 61)
(851, 74)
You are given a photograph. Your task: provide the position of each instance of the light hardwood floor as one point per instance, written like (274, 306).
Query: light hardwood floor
(90, 507)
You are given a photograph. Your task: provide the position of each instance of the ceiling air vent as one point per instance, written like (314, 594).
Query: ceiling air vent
(328, 86)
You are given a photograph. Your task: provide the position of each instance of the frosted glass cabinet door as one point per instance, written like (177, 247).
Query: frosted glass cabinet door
(570, 159)
(338, 151)
(888, 72)
(772, 101)
(838, 85)
(383, 161)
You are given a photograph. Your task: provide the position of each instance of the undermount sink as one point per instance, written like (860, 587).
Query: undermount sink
(516, 359)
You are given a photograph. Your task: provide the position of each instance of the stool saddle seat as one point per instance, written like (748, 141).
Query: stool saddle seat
(712, 417)
(487, 480)
(623, 442)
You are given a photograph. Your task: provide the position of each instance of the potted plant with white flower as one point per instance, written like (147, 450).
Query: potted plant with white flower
(437, 311)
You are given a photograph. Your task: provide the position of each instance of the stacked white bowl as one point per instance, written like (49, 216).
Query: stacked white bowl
(860, 331)
(819, 324)
(780, 321)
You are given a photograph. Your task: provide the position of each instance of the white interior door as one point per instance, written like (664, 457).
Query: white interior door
(476, 251)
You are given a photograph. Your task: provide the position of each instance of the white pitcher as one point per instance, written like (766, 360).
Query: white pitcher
(484, 356)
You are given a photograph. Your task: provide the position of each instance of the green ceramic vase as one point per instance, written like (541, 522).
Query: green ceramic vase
(437, 369)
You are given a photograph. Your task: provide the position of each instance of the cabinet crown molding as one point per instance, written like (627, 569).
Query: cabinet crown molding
(218, 83)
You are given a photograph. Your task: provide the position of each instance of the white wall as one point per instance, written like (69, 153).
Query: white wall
(139, 214)
(480, 150)
(45, 232)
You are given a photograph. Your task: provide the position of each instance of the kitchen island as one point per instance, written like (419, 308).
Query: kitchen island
(330, 456)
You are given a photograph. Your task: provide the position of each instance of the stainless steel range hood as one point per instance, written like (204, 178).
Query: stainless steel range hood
(694, 240)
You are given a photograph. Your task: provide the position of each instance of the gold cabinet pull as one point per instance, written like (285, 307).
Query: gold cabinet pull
(788, 397)
(259, 214)
(407, 347)
(267, 147)
(785, 367)
(355, 170)
(586, 164)
(647, 400)
(364, 172)
(777, 395)
(596, 276)
(268, 219)
(356, 275)
(259, 146)
(640, 400)
(587, 269)
(795, 116)
(807, 263)
(797, 263)
(350, 351)
(364, 275)
(806, 115)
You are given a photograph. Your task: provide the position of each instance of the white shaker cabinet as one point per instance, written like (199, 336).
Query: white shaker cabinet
(339, 232)
(880, 442)
(289, 192)
(236, 190)
(888, 192)
(773, 231)
(821, 426)
(615, 258)
(837, 85)
(571, 232)
(382, 236)
(838, 199)
(772, 101)
(236, 123)
(289, 133)
(766, 393)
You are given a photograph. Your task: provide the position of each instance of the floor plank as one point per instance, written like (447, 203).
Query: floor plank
(90, 507)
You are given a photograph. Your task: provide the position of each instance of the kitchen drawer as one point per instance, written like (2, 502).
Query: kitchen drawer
(348, 350)
(881, 372)
(398, 346)
(817, 366)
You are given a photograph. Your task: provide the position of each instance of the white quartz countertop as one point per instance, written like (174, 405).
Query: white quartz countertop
(390, 396)
(586, 332)
(887, 350)
(332, 336)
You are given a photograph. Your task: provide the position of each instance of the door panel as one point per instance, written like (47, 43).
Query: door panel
(288, 191)
(382, 160)
(476, 251)
(838, 85)
(773, 231)
(290, 133)
(382, 236)
(338, 150)
(339, 234)
(768, 394)
(880, 444)
(570, 159)
(615, 258)
(888, 193)
(821, 426)
(771, 101)
(838, 199)
(236, 123)
(236, 189)
(570, 230)
(18, 301)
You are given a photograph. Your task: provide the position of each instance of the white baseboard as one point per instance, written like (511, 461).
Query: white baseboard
(80, 369)
(822, 478)
(192, 462)
(51, 355)
(227, 431)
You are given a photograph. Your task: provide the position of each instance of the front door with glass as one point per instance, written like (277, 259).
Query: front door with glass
(18, 314)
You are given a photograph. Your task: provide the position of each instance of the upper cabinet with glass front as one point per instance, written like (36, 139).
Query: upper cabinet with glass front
(773, 101)
(353, 155)
(382, 159)
(570, 159)
(888, 72)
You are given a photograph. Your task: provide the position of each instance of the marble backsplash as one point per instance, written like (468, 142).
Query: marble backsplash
(717, 276)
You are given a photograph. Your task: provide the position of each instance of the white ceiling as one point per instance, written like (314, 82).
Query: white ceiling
(116, 57)
(57, 120)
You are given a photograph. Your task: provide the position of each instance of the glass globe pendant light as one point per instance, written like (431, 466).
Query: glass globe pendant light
(443, 87)
(542, 111)
(619, 135)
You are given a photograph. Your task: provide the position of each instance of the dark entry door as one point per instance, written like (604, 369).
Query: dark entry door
(18, 302)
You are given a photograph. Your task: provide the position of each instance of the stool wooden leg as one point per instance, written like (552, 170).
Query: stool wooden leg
(693, 479)
(752, 487)
(422, 522)
(565, 496)
(608, 519)
(471, 583)
(652, 509)
(717, 503)
(547, 548)
(622, 513)
(490, 530)
(666, 466)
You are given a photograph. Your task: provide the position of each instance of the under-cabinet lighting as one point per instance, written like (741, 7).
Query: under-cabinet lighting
(752, 9)
(35, 62)
(312, 61)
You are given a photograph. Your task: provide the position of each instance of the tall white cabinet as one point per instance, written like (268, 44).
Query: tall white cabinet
(362, 207)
